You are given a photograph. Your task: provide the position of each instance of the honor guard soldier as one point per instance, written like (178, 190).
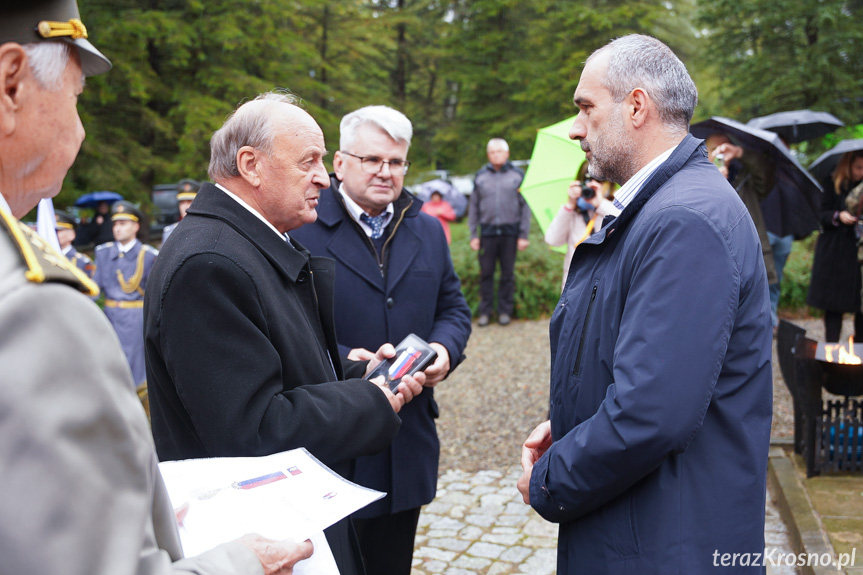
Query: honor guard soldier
(66, 235)
(186, 192)
(122, 269)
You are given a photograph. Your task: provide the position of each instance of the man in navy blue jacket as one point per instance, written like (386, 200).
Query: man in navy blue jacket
(394, 276)
(654, 460)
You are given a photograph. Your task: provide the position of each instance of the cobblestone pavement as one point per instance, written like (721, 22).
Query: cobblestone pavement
(478, 525)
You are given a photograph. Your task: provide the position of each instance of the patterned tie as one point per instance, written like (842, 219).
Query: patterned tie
(376, 223)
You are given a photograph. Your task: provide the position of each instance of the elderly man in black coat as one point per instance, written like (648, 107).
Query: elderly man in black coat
(242, 358)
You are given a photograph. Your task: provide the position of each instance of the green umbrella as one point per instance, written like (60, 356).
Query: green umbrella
(553, 166)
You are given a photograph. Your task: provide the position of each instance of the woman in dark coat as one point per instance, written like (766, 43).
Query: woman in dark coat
(836, 281)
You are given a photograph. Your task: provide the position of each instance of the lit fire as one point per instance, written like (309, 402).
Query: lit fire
(844, 355)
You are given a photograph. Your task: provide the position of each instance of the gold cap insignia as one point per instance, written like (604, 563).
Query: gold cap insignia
(74, 28)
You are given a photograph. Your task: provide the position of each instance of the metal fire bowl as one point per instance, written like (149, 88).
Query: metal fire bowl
(841, 378)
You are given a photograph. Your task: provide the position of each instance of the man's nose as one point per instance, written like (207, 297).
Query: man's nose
(321, 178)
(577, 131)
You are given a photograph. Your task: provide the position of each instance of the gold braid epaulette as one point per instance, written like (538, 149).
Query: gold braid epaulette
(43, 262)
(134, 282)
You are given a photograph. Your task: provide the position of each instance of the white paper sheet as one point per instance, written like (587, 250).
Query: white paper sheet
(280, 496)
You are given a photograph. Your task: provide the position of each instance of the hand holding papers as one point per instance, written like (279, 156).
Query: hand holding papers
(280, 496)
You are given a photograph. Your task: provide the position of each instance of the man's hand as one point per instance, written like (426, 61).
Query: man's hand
(523, 243)
(474, 244)
(533, 448)
(730, 151)
(573, 193)
(277, 557)
(437, 371)
(409, 387)
(361, 354)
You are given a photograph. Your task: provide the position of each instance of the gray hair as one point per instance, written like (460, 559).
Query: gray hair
(499, 142)
(249, 125)
(48, 62)
(638, 61)
(391, 121)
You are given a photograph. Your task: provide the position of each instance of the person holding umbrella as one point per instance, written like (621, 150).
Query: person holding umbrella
(581, 215)
(836, 280)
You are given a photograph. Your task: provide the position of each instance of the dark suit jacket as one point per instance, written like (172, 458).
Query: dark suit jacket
(239, 340)
(418, 292)
(661, 385)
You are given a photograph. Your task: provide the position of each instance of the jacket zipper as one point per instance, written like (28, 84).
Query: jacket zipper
(578, 356)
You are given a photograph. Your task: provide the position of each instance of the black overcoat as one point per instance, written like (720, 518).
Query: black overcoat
(242, 358)
(835, 282)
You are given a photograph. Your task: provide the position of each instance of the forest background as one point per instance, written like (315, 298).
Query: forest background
(463, 71)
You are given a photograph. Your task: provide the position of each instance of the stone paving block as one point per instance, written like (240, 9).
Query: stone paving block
(506, 530)
(480, 520)
(516, 554)
(489, 510)
(465, 562)
(496, 498)
(471, 532)
(459, 486)
(482, 490)
(500, 568)
(517, 508)
(488, 550)
(502, 538)
(434, 566)
(419, 539)
(449, 543)
(538, 526)
(439, 507)
(458, 571)
(542, 562)
(540, 543)
(446, 523)
(438, 533)
(511, 520)
(434, 553)
(457, 511)
(459, 498)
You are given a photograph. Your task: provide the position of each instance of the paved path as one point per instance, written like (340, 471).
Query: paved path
(478, 525)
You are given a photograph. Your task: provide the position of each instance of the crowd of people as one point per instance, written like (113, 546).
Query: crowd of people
(282, 287)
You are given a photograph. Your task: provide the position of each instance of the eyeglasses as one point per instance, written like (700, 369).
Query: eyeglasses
(373, 164)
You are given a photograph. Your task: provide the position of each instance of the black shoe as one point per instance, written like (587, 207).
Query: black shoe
(504, 319)
(483, 321)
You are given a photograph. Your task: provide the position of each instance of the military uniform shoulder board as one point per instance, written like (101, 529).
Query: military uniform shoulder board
(43, 263)
(104, 246)
(151, 249)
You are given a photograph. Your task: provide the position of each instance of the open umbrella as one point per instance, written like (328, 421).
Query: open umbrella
(448, 192)
(93, 199)
(800, 193)
(798, 125)
(823, 167)
(553, 166)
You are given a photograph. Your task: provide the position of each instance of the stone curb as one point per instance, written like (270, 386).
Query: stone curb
(804, 529)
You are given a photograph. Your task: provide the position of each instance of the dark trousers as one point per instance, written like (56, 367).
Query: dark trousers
(833, 326)
(387, 542)
(493, 249)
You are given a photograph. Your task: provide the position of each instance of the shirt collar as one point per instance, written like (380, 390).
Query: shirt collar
(125, 248)
(355, 211)
(253, 210)
(630, 189)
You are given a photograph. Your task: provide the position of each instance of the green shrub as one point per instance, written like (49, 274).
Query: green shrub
(795, 279)
(538, 273)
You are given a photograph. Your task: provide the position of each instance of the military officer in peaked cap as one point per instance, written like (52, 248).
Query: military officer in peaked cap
(66, 231)
(122, 269)
(82, 494)
(186, 192)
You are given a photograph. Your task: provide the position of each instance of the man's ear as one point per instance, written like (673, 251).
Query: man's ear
(638, 106)
(13, 69)
(338, 163)
(247, 165)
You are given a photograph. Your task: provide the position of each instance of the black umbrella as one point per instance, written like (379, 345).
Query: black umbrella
(800, 199)
(798, 125)
(823, 167)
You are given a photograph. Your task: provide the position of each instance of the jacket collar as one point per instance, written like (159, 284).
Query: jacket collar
(289, 258)
(682, 154)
